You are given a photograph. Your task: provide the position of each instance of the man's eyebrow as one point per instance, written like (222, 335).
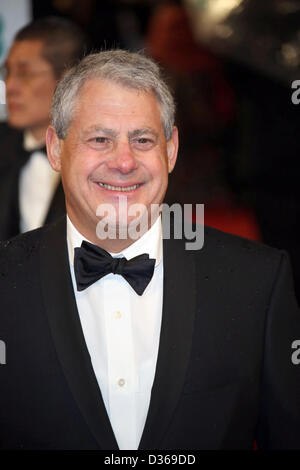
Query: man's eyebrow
(104, 130)
(143, 131)
(113, 133)
(21, 63)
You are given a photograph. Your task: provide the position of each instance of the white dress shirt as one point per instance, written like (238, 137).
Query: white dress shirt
(37, 185)
(122, 331)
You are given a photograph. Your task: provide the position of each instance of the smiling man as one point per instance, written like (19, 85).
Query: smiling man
(116, 148)
(123, 343)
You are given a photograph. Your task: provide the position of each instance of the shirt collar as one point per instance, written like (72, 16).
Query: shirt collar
(30, 143)
(150, 242)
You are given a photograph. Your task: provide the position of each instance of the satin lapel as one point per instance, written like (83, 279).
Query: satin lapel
(57, 207)
(179, 302)
(68, 336)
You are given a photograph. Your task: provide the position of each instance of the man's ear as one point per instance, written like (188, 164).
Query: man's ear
(53, 144)
(172, 149)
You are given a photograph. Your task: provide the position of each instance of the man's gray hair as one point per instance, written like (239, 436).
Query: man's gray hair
(128, 69)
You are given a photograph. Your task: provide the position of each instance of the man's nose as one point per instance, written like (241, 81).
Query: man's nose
(12, 84)
(123, 158)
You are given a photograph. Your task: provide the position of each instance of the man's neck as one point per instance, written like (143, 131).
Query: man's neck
(112, 244)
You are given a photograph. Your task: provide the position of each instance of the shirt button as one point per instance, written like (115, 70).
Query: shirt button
(121, 382)
(118, 315)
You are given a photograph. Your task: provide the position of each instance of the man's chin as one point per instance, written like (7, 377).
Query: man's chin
(130, 228)
(16, 123)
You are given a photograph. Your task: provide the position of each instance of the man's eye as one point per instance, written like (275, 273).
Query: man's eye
(143, 143)
(100, 140)
(99, 143)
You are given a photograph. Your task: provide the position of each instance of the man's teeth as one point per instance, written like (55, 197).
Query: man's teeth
(119, 188)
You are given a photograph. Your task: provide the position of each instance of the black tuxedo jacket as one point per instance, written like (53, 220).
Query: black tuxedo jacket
(224, 375)
(12, 158)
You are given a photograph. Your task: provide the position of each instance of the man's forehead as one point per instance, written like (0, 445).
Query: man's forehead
(109, 97)
(93, 84)
(25, 52)
(103, 104)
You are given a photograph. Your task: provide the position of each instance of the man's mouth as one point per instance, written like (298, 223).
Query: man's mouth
(13, 106)
(120, 188)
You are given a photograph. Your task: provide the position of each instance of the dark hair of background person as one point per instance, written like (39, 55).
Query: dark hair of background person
(64, 42)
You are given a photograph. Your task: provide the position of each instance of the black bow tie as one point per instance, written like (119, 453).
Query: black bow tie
(92, 263)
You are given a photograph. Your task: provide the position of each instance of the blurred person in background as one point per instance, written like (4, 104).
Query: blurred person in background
(30, 191)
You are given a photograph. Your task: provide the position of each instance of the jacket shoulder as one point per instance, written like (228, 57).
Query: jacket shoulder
(26, 244)
(216, 238)
(18, 251)
(224, 249)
